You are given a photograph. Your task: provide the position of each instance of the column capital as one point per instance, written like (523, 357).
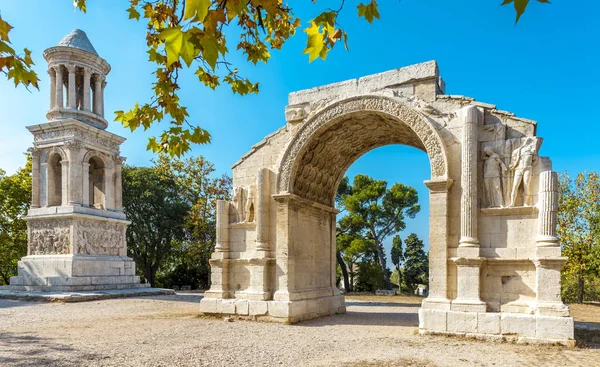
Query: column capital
(56, 67)
(70, 68)
(119, 159)
(73, 145)
(87, 72)
(34, 151)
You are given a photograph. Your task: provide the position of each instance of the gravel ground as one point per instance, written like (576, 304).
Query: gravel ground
(167, 331)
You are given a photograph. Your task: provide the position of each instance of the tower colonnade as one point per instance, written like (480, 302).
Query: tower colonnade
(83, 85)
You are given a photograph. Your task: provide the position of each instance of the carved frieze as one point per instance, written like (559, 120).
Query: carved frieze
(243, 205)
(100, 238)
(76, 134)
(49, 237)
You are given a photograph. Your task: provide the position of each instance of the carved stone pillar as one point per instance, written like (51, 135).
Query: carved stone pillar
(109, 187)
(468, 285)
(86, 89)
(75, 173)
(59, 87)
(262, 210)
(548, 287)
(468, 207)
(548, 209)
(72, 88)
(35, 177)
(97, 93)
(222, 226)
(438, 248)
(85, 174)
(118, 183)
(65, 182)
(102, 98)
(52, 75)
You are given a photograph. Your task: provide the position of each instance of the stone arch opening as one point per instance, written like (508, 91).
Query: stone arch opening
(342, 132)
(96, 177)
(55, 179)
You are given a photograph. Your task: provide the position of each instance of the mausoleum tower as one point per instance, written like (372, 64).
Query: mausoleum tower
(76, 224)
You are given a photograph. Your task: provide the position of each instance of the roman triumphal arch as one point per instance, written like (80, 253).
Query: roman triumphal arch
(494, 256)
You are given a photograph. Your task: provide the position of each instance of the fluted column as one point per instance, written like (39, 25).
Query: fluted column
(35, 177)
(468, 205)
(52, 75)
(548, 209)
(72, 89)
(222, 226)
(97, 93)
(86, 89)
(58, 93)
(262, 210)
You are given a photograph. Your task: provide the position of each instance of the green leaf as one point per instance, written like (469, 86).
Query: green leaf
(4, 29)
(210, 50)
(315, 45)
(133, 13)
(521, 6)
(177, 43)
(369, 11)
(197, 9)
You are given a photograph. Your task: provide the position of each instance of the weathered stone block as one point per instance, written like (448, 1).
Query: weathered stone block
(488, 323)
(465, 322)
(257, 308)
(522, 325)
(549, 327)
(433, 319)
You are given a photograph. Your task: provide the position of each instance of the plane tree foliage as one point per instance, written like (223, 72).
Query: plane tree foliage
(200, 35)
(579, 235)
(372, 212)
(15, 199)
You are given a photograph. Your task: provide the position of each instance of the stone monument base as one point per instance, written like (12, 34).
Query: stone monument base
(289, 312)
(53, 273)
(498, 326)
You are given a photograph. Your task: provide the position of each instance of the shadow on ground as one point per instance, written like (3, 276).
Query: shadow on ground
(26, 350)
(382, 304)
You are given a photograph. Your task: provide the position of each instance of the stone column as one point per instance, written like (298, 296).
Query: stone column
(65, 182)
(75, 173)
(97, 93)
(102, 97)
(438, 248)
(468, 204)
(262, 210)
(548, 208)
(219, 262)
(72, 89)
(547, 287)
(118, 183)
(52, 75)
(44, 189)
(35, 177)
(85, 175)
(59, 87)
(222, 226)
(86, 89)
(109, 188)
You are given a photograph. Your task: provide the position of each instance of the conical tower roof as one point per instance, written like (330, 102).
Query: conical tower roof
(78, 39)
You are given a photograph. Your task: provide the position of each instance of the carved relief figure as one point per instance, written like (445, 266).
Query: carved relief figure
(49, 238)
(249, 207)
(521, 164)
(238, 203)
(100, 239)
(493, 172)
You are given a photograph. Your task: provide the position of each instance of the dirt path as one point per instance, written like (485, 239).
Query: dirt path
(166, 331)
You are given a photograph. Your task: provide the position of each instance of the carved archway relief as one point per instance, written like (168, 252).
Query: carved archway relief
(330, 141)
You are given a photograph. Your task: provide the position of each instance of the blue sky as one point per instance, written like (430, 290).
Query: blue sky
(545, 69)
